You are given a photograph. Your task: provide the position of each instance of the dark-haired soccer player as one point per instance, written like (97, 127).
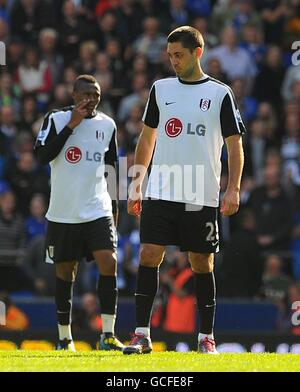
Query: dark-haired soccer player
(186, 120)
(78, 141)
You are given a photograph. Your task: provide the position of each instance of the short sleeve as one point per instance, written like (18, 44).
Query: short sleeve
(151, 114)
(230, 118)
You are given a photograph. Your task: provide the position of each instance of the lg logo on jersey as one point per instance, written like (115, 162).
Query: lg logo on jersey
(74, 155)
(174, 127)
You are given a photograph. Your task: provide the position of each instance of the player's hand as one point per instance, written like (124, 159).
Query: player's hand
(78, 113)
(230, 203)
(134, 203)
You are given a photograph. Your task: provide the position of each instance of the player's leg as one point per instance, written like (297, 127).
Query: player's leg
(65, 277)
(158, 228)
(64, 247)
(106, 261)
(200, 238)
(101, 240)
(151, 256)
(203, 265)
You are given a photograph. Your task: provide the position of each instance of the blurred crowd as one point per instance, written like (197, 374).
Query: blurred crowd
(248, 45)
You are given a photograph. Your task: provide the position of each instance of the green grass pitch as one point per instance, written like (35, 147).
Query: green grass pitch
(112, 361)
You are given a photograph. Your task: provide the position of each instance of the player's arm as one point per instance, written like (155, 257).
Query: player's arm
(231, 200)
(143, 153)
(111, 170)
(232, 128)
(50, 143)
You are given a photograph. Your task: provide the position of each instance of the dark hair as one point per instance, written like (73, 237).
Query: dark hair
(82, 79)
(188, 36)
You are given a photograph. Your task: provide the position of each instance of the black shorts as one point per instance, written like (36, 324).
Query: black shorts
(74, 241)
(171, 223)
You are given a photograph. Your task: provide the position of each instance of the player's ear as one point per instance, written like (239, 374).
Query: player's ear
(199, 51)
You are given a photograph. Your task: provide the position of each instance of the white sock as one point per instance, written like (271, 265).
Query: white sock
(108, 323)
(202, 336)
(143, 330)
(64, 332)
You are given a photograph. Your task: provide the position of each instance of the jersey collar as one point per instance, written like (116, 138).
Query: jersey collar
(204, 79)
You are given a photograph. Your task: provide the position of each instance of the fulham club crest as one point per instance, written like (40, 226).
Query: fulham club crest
(100, 136)
(204, 104)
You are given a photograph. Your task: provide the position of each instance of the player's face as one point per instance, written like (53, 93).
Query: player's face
(184, 62)
(91, 94)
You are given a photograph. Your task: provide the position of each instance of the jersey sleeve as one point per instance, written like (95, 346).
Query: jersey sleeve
(111, 159)
(151, 114)
(49, 143)
(47, 131)
(111, 155)
(230, 118)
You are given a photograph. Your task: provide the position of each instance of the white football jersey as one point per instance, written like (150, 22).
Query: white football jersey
(192, 119)
(78, 186)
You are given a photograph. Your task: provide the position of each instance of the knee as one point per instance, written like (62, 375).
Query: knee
(107, 263)
(151, 255)
(202, 263)
(66, 273)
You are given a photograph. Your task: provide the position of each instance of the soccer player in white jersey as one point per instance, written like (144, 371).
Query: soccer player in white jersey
(78, 142)
(186, 120)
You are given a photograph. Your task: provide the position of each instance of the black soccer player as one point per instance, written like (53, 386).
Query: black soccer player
(186, 120)
(78, 142)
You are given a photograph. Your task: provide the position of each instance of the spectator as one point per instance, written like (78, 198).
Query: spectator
(15, 49)
(270, 77)
(28, 113)
(8, 121)
(199, 7)
(247, 104)
(34, 76)
(295, 246)
(12, 244)
(235, 61)
(273, 15)
(71, 31)
(214, 69)
(29, 16)
(292, 75)
(291, 142)
(252, 41)
(275, 283)
(15, 318)
(241, 269)
(27, 178)
(40, 273)
(106, 29)
(237, 16)
(48, 39)
(87, 56)
(137, 97)
(151, 42)
(9, 94)
(177, 14)
(87, 318)
(180, 312)
(257, 146)
(273, 212)
(36, 222)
